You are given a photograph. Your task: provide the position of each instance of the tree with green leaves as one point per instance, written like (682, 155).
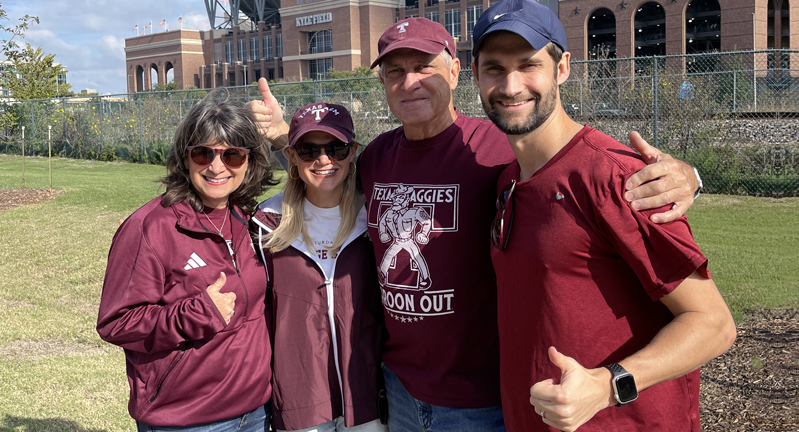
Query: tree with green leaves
(35, 76)
(9, 32)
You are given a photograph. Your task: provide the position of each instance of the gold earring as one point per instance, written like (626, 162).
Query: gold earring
(295, 174)
(353, 168)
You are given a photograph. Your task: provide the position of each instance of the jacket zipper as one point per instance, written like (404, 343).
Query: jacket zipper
(241, 279)
(166, 374)
(331, 306)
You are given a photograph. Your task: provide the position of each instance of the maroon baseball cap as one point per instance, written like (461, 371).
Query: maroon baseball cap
(420, 34)
(319, 116)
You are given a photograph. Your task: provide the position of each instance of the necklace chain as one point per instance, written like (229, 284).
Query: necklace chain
(219, 230)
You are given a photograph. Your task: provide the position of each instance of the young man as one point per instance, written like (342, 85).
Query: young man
(429, 189)
(596, 302)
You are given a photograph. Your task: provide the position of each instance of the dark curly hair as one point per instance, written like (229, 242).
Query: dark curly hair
(216, 119)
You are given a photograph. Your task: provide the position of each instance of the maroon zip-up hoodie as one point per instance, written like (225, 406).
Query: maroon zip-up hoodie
(316, 369)
(184, 365)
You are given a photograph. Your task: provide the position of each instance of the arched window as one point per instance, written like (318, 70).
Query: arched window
(702, 26)
(169, 72)
(153, 76)
(139, 78)
(602, 34)
(650, 33)
(650, 30)
(702, 34)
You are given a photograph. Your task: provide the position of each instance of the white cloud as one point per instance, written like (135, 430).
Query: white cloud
(88, 36)
(196, 21)
(112, 46)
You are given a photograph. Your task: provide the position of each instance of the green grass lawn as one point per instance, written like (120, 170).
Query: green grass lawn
(57, 375)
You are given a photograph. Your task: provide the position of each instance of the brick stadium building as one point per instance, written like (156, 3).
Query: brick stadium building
(303, 40)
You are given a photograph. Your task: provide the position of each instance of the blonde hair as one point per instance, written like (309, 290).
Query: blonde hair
(292, 223)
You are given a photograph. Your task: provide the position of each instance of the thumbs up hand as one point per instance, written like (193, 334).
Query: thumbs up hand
(578, 396)
(225, 302)
(269, 116)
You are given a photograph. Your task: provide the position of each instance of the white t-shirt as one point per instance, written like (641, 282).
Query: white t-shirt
(322, 225)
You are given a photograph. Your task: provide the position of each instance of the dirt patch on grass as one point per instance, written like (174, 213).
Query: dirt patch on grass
(36, 350)
(13, 304)
(10, 198)
(755, 385)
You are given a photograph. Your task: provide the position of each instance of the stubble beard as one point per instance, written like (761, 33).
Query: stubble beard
(542, 109)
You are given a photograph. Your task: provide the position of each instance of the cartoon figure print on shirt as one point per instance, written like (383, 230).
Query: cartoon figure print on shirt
(400, 223)
(405, 216)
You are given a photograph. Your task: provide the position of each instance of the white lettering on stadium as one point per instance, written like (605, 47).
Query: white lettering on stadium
(314, 19)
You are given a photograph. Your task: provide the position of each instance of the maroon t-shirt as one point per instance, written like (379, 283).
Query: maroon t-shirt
(583, 272)
(430, 205)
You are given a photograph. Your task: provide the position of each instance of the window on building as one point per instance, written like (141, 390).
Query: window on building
(650, 36)
(320, 41)
(432, 16)
(601, 33)
(472, 14)
(279, 46)
(242, 53)
(453, 22)
(431, 3)
(270, 73)
(317, 69)
(268, 48)
(254, 49)
(229, 52)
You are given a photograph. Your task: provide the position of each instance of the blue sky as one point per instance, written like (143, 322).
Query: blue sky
(88, 36)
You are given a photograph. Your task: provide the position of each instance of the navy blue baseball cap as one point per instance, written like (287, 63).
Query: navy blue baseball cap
(532, 20)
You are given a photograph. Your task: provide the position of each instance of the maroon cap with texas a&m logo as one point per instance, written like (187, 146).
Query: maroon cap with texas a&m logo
(319, 116)
(420, 34)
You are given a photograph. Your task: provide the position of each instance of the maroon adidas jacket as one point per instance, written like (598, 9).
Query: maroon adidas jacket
(327, 330)
(184, 365)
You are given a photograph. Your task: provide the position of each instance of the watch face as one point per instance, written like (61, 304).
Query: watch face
(625, 385)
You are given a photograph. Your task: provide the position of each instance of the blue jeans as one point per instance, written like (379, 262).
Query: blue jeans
(408, 414)
(256, 420)
(337, 425)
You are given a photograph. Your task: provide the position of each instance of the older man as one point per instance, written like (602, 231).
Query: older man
(439, 294)
(579, 272)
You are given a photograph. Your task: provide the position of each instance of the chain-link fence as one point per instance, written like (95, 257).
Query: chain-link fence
(734, 115)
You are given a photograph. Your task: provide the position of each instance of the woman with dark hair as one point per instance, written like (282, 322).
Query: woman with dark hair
(184, 291)
(328, 321)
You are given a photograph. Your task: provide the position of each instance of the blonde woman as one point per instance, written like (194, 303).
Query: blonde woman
(325, 298)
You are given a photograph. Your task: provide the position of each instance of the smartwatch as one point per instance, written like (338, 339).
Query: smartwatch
(700, 189)
(623, 383)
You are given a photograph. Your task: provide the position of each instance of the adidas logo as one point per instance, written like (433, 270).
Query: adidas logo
(194, 262)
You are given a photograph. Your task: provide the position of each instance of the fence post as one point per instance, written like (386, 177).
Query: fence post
(64, 124)
(23, 157)
(734, 91)
(315, 95)
(141, 132)
(33, 125)
(655, 89)
(102, 137)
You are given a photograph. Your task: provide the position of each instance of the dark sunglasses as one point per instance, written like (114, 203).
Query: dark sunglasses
(232, 157)
(336, 150)
(500, 230)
